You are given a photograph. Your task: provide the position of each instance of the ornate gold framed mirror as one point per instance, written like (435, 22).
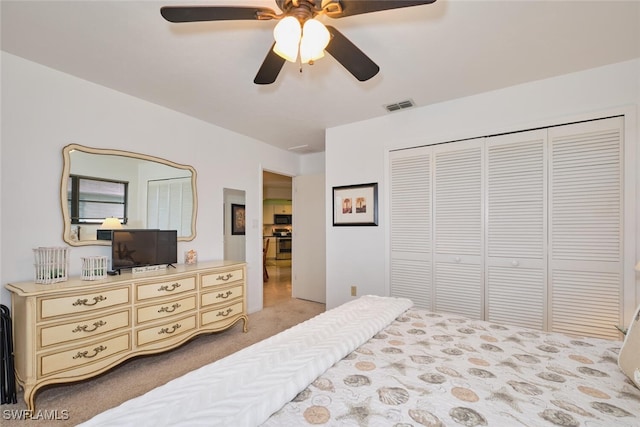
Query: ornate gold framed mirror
(102, 189)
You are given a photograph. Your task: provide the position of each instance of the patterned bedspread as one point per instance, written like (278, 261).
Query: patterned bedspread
(436, 369)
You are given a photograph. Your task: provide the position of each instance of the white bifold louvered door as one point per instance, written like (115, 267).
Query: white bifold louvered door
(410, 226)
(524, 228)
(458, 217)
(516, 189)
(586, 228)
(170, 205)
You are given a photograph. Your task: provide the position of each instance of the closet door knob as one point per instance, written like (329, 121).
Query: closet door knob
(515, 263)
(457, 259)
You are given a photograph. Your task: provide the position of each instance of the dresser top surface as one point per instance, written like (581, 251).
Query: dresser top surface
(75, 283)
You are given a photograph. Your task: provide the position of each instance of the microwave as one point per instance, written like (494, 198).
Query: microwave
(281, 219)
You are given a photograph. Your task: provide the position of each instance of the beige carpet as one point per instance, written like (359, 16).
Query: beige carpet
(77, 402)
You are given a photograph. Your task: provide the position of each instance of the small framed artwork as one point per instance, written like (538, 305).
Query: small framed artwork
(355, 205)
(237, 220)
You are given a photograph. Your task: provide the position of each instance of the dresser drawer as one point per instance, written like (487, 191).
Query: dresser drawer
(166, 331)
(222, 315)
(83, 303)
(165, 309)
(84, 355)
(215, 279)
(221, 295)
(161, 289)
(83, 328)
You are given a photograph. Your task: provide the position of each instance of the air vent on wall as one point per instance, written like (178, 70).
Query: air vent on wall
(400, 105)
(303, 149)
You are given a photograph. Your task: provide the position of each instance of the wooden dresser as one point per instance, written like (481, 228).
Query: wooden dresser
(77, 329)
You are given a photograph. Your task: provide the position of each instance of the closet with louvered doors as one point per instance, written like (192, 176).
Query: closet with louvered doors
(516, 229)
(411, 266)
(458, 218)
(586, 188)
(524, 228)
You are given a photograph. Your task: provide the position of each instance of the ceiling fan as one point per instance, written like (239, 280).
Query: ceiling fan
(298, 34)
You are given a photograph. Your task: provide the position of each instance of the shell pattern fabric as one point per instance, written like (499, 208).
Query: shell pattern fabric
(429, 369)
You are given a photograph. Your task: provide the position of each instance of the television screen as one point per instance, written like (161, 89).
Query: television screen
(167, 247)
(138, 248)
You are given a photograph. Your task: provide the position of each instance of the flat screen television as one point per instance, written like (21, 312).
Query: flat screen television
(139, 248)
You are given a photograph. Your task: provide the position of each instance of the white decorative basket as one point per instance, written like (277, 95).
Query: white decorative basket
(94, 267)
(51, 264)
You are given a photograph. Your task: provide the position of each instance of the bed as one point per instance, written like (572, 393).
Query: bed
(379, 361)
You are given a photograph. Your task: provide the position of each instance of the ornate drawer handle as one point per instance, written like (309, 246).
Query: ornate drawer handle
(167, 331)
(86, 301)
(85, 328)
(224, 296)
(169, 289)
(169, 309)
(225, 313)
(86, 355)
(225, 278)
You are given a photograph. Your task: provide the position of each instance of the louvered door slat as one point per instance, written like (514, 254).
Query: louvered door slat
(410, 280)
(586, 303)
(411, 203)
(458, 228)
(516, 229)
(586, 196)
(458, 289)
(410, 226)
(586, 244)
(516, 296)
(458, 200)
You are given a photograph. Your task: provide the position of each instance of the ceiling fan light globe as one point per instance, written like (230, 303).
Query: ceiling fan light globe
(287, 36)
(288, 51)
(315, 38)
(306, 57)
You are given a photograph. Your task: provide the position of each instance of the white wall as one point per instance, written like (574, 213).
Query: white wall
(312, 164)
(43, 110)
(357, 153)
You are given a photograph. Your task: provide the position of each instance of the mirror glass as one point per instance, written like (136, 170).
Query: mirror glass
(141, 191)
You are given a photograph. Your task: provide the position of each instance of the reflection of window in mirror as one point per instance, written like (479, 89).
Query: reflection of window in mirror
(91, 200)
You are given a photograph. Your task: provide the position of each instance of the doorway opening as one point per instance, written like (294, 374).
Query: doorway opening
(277, 232)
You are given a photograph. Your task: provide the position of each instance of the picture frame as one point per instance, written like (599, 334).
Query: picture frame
(238, 220)
(355, 205)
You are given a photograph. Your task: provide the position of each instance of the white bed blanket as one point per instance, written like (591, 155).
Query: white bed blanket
(245, 388)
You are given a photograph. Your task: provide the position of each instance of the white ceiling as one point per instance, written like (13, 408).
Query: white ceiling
(430, 53)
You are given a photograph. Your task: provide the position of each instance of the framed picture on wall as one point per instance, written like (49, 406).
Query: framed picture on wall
(355, 204)
(237, 219)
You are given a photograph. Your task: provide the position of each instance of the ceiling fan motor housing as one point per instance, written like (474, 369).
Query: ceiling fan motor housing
(302, 10)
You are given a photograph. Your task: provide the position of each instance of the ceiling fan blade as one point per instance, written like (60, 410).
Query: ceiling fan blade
(351, 58)
(358, 7)
(214, 13)
(270, 68)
